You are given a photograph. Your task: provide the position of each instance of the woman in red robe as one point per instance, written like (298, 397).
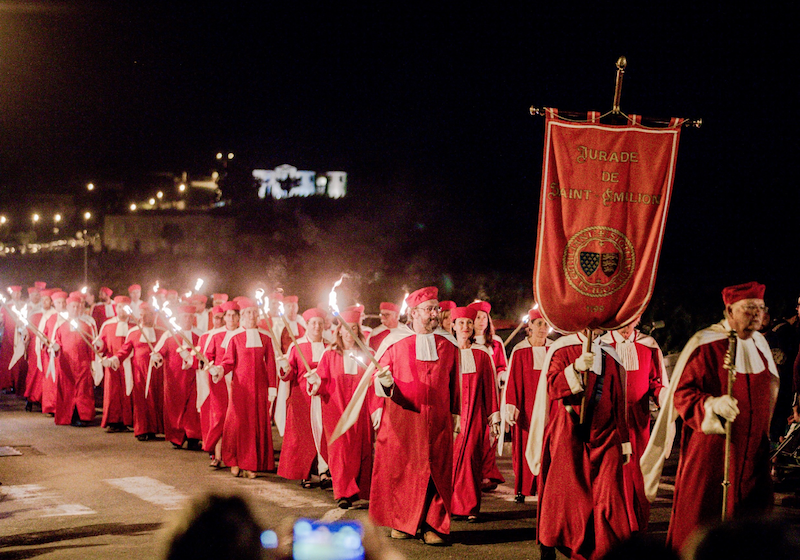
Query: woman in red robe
(479, 412)
(349, 456)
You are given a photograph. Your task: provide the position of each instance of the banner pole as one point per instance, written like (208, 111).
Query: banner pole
(622, 62)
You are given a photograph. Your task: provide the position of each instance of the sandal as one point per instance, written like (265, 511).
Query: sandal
(325, 481)
(306, 483)
(215, 464)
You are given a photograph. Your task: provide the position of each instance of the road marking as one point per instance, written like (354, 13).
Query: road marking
(150, 490)
(26, 501)
(280, 495)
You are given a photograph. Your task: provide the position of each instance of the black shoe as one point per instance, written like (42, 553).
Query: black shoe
(519, 498)
(325, 481)
(79, 423)
(29, 406)
(547, 552)
(344, 503)
(142, 437)
(193, 445)
(177, 446)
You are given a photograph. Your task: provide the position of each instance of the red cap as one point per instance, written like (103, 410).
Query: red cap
(230, 306)
(201, 298)
(351, 316)
(144, 306)
(107, 291)
(751, 290)
(216, 310)
(134, 287)
(48, 292)
(33, 289)
(59, 295)
(484, 306)
(245, 302)
(219, 297)
(74, 299)
(389, 306)
(463, 313)
(40, 285)
(447, 305)
(309, 314)
(122, 300)
(172, 293)
(423, 294)
(190, 309)
(161, 292)
(78, 295)
(358, 308)
(290, 299)
(534, 314)
(15, 288)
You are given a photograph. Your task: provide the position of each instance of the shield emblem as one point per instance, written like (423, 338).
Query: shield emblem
(609, 263)
(589, 262)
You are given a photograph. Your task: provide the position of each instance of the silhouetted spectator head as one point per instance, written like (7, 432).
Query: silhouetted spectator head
(214, 527)
(747, 538)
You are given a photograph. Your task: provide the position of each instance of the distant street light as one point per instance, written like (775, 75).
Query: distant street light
(87, 215)
(133, 207)
(230, 155)
(35, 218)
(219, 155)
(152, 201)
(159, 195)
(181, 187)
(90, 187)
(3, 220)
(57, 218)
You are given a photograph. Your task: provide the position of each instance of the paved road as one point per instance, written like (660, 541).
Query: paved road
(81, 492)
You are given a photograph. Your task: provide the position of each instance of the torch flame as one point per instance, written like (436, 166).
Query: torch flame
(404, 306)
(156, 286)
(332, 296)
(128, 309)
(198, 284)
(535, 306)
(280, 308)
(83, 290)
(525, 318)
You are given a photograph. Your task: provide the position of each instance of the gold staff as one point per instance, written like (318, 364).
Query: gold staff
(730, 365)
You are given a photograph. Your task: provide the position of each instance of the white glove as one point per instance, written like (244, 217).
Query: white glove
(494, 423)
(584, 361)
(312, 378)
(185, 354)
(376, 418)
(216, 373)
(384, 377)
(724, 406)
(98, 344)
(55, 347)
(272, 393)
(187, 364)
(106, 362)
(156, 359)
(114, 362)
(283, 364)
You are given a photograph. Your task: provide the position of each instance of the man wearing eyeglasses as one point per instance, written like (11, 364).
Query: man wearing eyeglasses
(699, 394)
(390, 321)
(412, 480)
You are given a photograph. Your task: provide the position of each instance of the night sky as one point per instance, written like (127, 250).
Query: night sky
(432, 98)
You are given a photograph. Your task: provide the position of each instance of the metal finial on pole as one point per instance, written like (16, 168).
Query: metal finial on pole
(622, 62)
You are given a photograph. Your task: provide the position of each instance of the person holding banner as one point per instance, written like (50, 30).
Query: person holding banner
(525, 367)
(214, 406)
(73, 361)
(646, 377)
(412, 478)
(300, 457)
(117, 401)
(582, 508)
(251, 361)
(699, 394)
(479, 412)
(337, 375)
(148, 381)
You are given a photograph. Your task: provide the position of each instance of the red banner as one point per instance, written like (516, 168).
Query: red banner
(603, 207)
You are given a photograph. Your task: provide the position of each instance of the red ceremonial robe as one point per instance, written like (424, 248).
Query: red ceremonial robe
(478, 402)
(582, 507)
(414, 444)
(350, 456)
(49, 393)
(523, 378)
(117, 404)
(377, 336)
(698, 489)
(247, 436)
(74, 383)
(9, 376)
(643, 382)
(181, 418)
(286, 338)
(102, 312)
(148, 410)
(214, 409)
(490, 469)
(34, 378)
(298, 452)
